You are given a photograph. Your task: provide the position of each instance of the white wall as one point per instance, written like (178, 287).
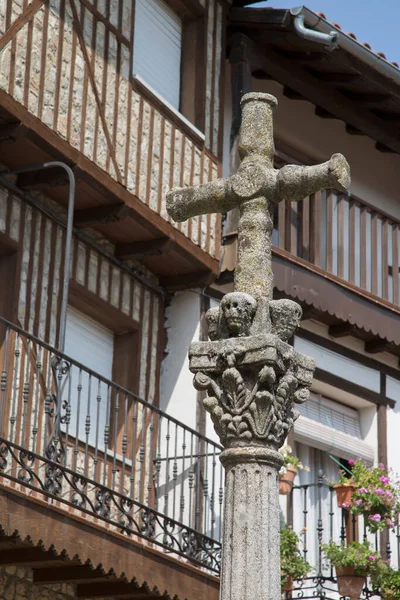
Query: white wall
(178, 396)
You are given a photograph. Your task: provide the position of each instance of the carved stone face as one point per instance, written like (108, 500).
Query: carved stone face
(239, 310)
(212, 318)
(285, 317)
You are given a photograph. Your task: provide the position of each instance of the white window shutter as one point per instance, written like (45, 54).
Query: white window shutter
(158, 48)
(92, 345)
(332, 427)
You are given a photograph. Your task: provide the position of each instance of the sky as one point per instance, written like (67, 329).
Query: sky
(372, 21)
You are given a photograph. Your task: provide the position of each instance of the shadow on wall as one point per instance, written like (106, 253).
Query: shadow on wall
(183, 325)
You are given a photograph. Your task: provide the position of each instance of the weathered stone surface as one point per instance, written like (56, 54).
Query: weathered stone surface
(252, 375)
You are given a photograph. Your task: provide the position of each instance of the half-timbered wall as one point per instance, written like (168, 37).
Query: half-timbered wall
(40, 245)
(69, 62)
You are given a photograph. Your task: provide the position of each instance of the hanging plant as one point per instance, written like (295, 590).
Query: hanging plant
(373, 495)
(288, 472)
(294, 566)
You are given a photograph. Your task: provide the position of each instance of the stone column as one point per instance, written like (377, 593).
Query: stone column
(250, 550)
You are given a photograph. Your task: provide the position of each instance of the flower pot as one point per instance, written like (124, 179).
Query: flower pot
(343, 495)
(349, 584)
(286, 481)
(288, 587)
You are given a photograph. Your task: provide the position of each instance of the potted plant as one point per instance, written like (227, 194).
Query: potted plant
(344, 489)
(353, 564)
(293, 565)
(386, 582)
(288, 472)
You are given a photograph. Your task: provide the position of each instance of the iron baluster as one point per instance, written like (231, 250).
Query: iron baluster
(166, 485)
(116, 417)
(3, 382)
(191, 481)
(25, 394)
(87, 424)
(305, 513)
(35, 427)
(107, 433)
(98, 410)
(320, 530)
(124, 443)
(182, 498)
(78, 410)
(175, 472)
(205, 491)
(13, 415)
(134, 436)
(150, 461)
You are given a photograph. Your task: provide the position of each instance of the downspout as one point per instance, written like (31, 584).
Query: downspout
(330, 40)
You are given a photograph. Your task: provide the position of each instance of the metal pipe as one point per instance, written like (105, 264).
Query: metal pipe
(330, 39)
(68, 241)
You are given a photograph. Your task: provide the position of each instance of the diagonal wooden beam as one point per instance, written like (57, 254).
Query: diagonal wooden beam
(29, 557)
(96, 93)
(145, 248)
(12, 132)
(20, 21)
(108, 213)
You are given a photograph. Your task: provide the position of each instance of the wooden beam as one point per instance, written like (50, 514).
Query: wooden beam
(353, 130)
(364, 97)
(117, 589)
(330, 77)
(292, 94)
(375, 346)
(341, 330)
(12, 132)
(383, 148)
(107, 213)
(181, 282)
(37, 179)
(331, 100)
(28, 557)
(145, 248)
(324, 114)
(74, 575)
(20, 21)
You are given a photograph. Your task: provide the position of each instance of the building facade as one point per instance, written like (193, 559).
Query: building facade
(111, 485)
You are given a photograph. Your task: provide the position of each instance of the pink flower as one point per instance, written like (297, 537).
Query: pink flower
(389, 494)
(362, 491)
(372, 558)
(390, 523)
(345, 505)
(351, 461)
(376, 517)
(381, 466)
(380, 492)
(358, 502)
(384, 479)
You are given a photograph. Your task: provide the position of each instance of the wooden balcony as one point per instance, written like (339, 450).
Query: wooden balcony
(339, 257)
(78, 451)
(67, 93)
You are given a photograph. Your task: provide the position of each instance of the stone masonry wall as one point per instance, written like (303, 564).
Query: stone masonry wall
(16, 583)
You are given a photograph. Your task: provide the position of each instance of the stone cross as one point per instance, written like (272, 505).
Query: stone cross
(255, 189)
(252, 376)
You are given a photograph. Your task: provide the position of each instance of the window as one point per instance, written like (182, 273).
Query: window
(158, 48)
(91, 344)
(332, 427)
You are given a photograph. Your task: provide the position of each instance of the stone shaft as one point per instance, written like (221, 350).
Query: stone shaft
(251, 541)
(256, 133)
(253, 273)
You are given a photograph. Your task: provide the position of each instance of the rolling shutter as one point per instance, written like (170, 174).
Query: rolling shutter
(332, 427)
(91, 344)
(157, 48)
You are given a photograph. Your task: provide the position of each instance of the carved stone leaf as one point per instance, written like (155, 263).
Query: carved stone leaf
(235, 389)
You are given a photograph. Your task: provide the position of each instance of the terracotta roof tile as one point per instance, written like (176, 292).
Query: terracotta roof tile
(354, 37)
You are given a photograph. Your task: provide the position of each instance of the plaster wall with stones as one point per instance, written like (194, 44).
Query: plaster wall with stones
(16, 583)
(40, 240)
(78, 83)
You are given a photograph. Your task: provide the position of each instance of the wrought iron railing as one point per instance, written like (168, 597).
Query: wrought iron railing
(71, 435)
(313, 513)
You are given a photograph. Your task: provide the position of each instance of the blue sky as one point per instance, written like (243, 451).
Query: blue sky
(376, 22)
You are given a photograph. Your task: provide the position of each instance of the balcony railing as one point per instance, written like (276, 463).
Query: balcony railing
(314, 514)
(346, 237)
(69, 435)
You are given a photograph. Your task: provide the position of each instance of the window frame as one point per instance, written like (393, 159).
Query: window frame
(191, 113)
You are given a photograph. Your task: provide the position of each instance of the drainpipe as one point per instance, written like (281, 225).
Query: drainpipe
(330, 40)
(68, 241)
